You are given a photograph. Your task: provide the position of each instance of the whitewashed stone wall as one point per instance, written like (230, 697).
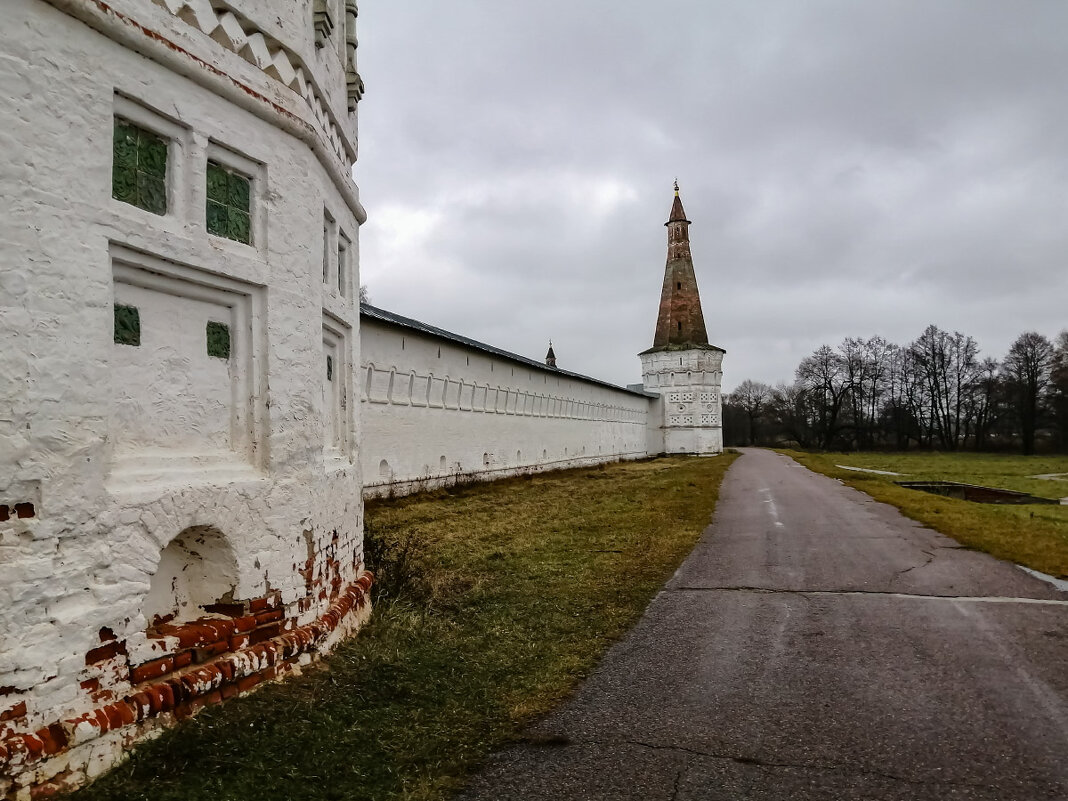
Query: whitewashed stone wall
(436, 408)
(689, 415)
(143, 482)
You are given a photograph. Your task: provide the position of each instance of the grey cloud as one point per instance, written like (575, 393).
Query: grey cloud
(850, 168)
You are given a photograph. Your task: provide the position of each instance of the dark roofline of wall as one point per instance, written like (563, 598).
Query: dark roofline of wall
(388, 317)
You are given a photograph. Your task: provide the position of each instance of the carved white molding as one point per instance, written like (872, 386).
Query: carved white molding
(273, 58)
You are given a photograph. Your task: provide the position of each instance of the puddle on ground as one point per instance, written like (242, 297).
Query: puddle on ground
(975, 493)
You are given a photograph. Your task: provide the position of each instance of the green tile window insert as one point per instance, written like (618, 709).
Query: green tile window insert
(219, 340)
(139, 167)
(229, 211)
(127, 325)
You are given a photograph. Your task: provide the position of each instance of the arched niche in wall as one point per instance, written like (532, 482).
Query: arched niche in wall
(196, 569)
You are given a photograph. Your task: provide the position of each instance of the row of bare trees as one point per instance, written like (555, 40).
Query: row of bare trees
(936, 392)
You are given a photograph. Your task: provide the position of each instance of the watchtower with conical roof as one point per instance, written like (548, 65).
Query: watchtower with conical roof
(681, 366)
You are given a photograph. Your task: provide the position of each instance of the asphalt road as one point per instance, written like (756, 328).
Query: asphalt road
(815, 645)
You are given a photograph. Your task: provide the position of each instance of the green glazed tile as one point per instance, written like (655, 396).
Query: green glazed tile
(127, 325)
(218, 183)
(217, 218)
(124, 184)
(124, 147)
(240, 227)
(218, 335)
(152, 155)
(151, 193)
(239, 192)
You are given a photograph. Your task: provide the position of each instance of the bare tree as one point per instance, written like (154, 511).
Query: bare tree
(1059, 388)
(1027, 370)
(824, 383)
(365, 297)
(948, 364)
(752, 398)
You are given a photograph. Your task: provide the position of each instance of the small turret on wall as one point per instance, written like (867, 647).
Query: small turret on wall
(681, 366)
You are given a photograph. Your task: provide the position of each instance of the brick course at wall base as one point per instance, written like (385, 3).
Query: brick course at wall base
(206, 661)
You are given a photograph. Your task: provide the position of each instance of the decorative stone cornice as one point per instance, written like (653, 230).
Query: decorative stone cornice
(240, 35)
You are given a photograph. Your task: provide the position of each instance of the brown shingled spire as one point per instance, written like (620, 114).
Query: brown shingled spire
(680, 323)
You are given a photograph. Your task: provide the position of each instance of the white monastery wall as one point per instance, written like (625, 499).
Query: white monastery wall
(436, 408)
(205, 458)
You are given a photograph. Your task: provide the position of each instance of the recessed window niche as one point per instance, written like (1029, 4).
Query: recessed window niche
(182, 400)
(198, 568)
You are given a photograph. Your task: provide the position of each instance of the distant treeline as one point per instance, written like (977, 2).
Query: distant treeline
(937, 392)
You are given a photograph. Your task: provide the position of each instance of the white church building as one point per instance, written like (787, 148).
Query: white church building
(194, 403)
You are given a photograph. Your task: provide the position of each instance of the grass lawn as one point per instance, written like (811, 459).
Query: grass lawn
(1031, 535)
(494, 600)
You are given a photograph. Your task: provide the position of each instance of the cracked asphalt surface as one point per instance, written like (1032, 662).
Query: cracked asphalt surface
(815, 645)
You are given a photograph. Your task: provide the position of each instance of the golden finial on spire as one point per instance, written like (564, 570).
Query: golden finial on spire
(676, 186)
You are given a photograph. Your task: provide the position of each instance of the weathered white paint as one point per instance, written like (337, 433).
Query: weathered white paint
(688, 381)
(435, 409)
(130, 454)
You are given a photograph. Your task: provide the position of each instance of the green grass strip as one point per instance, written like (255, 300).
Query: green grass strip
(1031, 535)
(494, 601)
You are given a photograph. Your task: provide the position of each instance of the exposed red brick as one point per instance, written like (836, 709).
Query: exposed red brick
(114, 716)
(184, 695)
(5, 513)
(91, 685)
(34, 746)
(257, 605)
(183, 711)
(152, 670)
(197, 632)
(238, 641)
(214, 697)
(46, 790)
(107, 634)
(156, 699)
(211, 651)
(244, 624)
(17, 711)
(103, 722)
(107, 651)
(183, 659)
(24, 510)
(269, 617)
(53, 739)
(141, 701)
(264, 633)
(680, 321)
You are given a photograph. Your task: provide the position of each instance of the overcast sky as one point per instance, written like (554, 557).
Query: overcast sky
(850, 168)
